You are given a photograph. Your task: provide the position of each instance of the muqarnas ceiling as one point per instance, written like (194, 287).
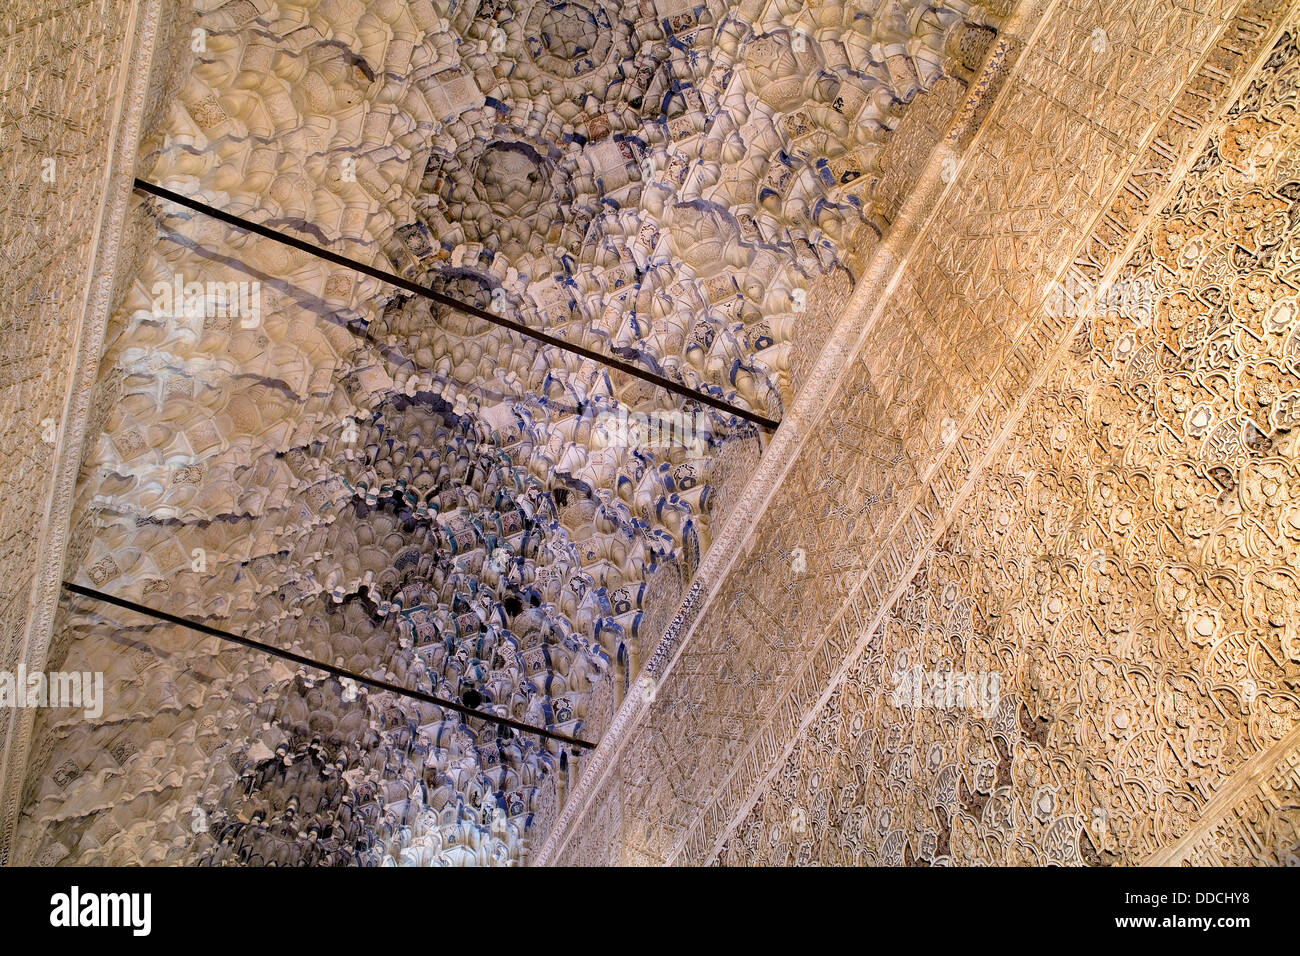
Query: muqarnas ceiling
(421, 495)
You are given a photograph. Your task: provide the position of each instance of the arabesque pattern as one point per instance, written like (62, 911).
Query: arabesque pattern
(1127, 563)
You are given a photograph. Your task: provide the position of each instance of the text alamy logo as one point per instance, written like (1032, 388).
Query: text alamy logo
(56, 689)
(76, 909)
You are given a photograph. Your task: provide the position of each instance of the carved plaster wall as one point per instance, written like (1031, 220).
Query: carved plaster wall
(1125, 561)
(77, 83)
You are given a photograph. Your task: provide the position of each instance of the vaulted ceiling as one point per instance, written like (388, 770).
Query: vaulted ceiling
(415, 494)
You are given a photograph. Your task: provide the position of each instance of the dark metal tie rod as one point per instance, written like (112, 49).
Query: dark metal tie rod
(417, 289)
(328, 668)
